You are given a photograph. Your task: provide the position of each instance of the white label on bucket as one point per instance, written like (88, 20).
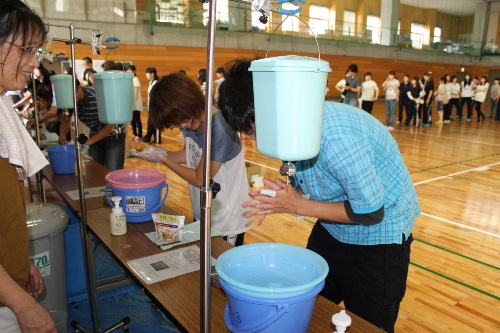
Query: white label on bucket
(42, 262)
(135, 204)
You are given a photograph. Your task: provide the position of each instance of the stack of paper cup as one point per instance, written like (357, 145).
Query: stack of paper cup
(257, 180)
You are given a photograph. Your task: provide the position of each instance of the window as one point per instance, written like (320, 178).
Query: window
(373, 29)
(349, 23)
(417, 35)
(292, 22)
(318, 19)
(332, 20)
(59, 6)
(222, 12)
(437, 34)
(171, 12)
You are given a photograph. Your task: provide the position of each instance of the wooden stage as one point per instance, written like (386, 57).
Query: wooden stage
(454, 277)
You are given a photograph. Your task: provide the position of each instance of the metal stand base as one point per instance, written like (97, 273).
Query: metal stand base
(122, 323)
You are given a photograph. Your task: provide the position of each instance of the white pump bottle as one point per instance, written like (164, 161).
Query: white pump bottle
(117, 218)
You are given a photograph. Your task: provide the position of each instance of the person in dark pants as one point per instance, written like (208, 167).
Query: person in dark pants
(361, 192)
(426, 107)
(414, 95)
(404, 87)
(136, 114)
(467, 94)
(151, 131)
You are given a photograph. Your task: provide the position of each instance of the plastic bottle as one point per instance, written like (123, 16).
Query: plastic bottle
(117, 218)
(341, 321)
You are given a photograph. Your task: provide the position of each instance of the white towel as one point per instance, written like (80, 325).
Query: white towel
(15, 142)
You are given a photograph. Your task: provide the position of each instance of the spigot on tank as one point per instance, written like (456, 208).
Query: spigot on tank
(288, 170)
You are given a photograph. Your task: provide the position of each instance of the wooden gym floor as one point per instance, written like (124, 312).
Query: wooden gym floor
(454, 277)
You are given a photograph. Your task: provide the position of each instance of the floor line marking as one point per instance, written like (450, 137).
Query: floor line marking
(443, 137)
(451, 175)
(461, 225)
(456, 253)
(456, 281)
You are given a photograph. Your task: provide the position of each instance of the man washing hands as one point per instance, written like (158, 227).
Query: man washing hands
(361, 192)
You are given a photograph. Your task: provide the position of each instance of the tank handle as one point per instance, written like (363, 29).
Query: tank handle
(282, 309)
(307, 25)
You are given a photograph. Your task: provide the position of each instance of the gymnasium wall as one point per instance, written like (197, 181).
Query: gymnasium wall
(168, 59)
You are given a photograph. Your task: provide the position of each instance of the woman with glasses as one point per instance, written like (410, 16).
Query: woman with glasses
(22, 32)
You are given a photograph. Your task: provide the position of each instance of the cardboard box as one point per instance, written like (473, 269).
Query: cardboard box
(252, 169)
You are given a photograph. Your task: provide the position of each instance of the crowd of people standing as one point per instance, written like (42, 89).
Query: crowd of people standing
(418, 96)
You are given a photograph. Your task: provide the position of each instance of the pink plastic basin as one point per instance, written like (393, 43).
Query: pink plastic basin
(135, 178)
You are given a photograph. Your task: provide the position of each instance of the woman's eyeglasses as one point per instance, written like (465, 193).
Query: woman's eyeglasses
(34, 52)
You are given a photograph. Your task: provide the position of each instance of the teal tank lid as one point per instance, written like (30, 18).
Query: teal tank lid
(290, 63)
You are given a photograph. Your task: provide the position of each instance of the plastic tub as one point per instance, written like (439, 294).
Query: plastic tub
(63, 91)
(114, 94)
(135, 178)
(270, 287)
(271, 270)
(62, 158)
(289, 96)
(247, 314)
(140, 190)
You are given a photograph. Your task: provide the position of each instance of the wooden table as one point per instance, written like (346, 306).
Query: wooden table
(180, 297)
(94, 177)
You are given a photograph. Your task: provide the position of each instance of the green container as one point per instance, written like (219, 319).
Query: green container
(289, 96)
(114, 94)
(63, 91)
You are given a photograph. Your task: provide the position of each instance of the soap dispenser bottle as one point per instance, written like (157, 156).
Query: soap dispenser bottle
(117, 218)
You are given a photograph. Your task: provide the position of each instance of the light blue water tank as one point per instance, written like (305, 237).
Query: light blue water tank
(289, 96)
(63, 91)
(114, 94)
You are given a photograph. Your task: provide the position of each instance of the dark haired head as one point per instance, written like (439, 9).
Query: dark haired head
(202, 76)
(393, 73)
(444, 79)
(152, 70)
(132, 68)
(87, 60)
(19, 22)
(174, 99)
(45, 93)
(353, 68)
(236, 97)
(220, 70)
(367, 74)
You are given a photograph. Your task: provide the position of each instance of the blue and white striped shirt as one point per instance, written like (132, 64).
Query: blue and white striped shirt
(360, 161)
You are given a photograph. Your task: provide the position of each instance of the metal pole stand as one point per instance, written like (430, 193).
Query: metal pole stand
(86, 240)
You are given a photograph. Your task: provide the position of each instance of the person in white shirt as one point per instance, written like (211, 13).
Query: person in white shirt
(455, 97)
(136, 114)
(369, 93)
(220, 72)
(340, 86)
(467, 94)
(391, 86)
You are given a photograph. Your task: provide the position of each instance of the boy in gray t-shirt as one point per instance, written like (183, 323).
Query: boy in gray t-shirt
(352, 85)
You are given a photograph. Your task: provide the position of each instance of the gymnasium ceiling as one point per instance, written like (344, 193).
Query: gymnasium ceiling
(454, 7)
